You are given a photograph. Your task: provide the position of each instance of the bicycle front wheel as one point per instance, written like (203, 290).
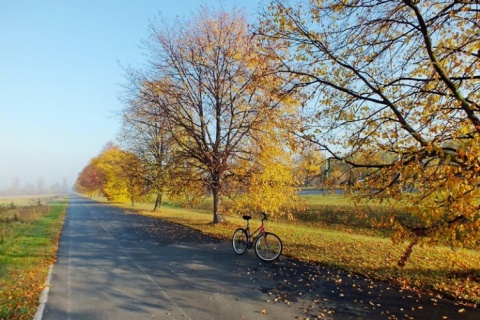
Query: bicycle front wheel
(268, 247)
(240, 241)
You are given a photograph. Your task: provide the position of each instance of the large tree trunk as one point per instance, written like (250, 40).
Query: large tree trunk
(217, 199)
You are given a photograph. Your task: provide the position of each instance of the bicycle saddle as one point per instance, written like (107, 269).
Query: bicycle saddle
(247, 218)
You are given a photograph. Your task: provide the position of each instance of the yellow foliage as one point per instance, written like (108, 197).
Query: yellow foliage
(271, 180)
(123, 175)
(388, 82)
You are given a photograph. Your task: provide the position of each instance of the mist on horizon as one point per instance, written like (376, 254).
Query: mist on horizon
(40, 186)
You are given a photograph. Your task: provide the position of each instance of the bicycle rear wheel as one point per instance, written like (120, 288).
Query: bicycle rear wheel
(268, 247)
(240, 241)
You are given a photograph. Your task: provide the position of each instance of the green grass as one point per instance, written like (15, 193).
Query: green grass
(27, 250)
(334, 232)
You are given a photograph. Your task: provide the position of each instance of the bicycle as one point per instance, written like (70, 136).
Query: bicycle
(267, 245)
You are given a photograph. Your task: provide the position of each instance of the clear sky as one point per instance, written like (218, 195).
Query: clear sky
(61, 70)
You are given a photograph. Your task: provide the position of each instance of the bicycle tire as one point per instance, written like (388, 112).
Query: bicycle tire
(240, 241)
(268, 247)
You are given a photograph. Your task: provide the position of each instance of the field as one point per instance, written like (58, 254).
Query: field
(335, 232)
(332, 231)
(29, 232)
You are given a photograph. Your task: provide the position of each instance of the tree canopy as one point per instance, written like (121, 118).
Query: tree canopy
(215, 91)
(396, 88)
(115, 174)
(383, 94)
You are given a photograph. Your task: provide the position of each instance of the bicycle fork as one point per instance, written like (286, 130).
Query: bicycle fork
(249, 239)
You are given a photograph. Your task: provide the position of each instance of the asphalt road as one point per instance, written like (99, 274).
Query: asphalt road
(114, 264)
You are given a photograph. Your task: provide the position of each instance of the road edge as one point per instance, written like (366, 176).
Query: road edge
(44, 296)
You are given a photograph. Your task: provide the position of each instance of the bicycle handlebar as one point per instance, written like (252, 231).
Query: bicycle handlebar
(264, 216)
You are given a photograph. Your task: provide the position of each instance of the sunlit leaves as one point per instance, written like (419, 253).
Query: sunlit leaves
(310, 165)
(270, 180)
(216, 85)
(90, 180)
(147, 133)
(394, 78)
(121, 176)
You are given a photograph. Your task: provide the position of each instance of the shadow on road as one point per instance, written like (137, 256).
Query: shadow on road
(182, 271)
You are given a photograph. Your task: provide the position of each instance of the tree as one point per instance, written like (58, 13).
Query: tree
(116, 174)
(40, 185)
(398, 78)
(218, 92)
(146, 134)
(90, 180)
(15, 185)
(134, 173)
(124, 175)
(65, 186)
(268, 181)
(310, 165)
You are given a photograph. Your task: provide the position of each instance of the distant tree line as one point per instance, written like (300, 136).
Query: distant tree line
(39, 188)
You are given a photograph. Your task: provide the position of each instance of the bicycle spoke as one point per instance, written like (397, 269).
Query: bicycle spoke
(240, 241)
(268, 247)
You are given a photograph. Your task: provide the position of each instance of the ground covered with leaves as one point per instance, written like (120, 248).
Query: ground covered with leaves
(29, 238)
(453, 274)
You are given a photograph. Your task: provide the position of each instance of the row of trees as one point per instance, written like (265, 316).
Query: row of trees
(211, 114)
(387, 90)
(124, 176)
(17, 188)
(116, 174)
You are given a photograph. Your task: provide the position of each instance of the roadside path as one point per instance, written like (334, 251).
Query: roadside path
(114, 264)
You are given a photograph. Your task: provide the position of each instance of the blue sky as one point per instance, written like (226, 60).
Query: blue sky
(61, 74)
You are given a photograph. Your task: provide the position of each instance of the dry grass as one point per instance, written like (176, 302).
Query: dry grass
(27, 249)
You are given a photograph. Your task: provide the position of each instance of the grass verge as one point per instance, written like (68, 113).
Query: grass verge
(435, 269)
(27, 250)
